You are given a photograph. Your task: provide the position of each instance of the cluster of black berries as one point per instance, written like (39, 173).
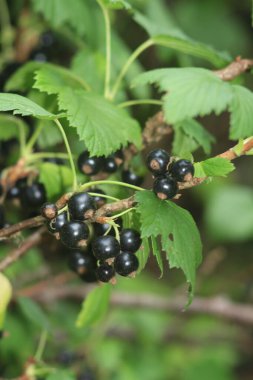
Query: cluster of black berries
(93, 165)
(95, 252)
(168, 173)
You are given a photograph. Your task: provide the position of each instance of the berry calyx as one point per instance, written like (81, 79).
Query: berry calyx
(132, 178)
(165, 187)
(33, 195)
(74, 234)
(105, 247)
(89, 165)
(126, 264)
(130, 240)
(56, 224)
(82, 262)
(99, 201)
(105, 272)
(182, 170)
(81, 206)
(49, 210)
(157, 161)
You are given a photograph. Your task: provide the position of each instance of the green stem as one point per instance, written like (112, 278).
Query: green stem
(71, 161)
(123, 213)
(34, 138)
(130, 103)
(105, 182)
(103, 196)
(108, 48)
(41, 346)
(145, 45)
(21, 131)
(39, 156)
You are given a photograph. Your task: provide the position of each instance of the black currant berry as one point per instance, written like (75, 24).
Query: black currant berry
(110, 164)
(49, 210)
(74, 234)
(99, 201)
(132, 178)
(105, 272)
(165, 187)
(182, 170)
(33, 195)
(105, 247)
(130, 240)
(157, 161)
(126, 263)
(82, 262)
(81, 206)
(13, 192)
(56, 224)
(89, 165)
(1, 190)
(2, 217)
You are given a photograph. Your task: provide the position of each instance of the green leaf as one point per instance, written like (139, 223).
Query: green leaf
(61, 374)
(117, 4)
(157, 253)
(53, 79)
(241, 109)
(10, 126)
(33, 312)
(94, 307)
(60, 13)
(6, 293)
(213, 167)
(101, 125)
(179, 234)
(143, 254)
(56, 178)
(175, 38)
(49, 136)
(23, 106)
(189, 135)
(189, 92)
(23, 78)
(229, 213)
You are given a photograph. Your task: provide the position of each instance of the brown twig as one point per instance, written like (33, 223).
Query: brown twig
(17, 253)
(234, 69)
(15, 228)
(155, 128)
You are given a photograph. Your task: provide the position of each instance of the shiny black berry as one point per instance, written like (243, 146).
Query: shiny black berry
(126, 263)
(132, 178)
(110, 164)
(165, 187)
(130, 240)
(49, 210)
(56, 224)
(2, 217)
(157, 161)
(99, 200)
(105, 247)
(89, 165)
(81, 206)
(74, 234)
(13, 192)
(82, 262)
(105, 272)
(33, 195)
(182, 170)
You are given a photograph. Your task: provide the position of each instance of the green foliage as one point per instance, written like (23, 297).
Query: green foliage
(241, 109)
(10, 125)
(56, 178)
(33, 312)
(143, 254)
(179, 235)
(213, 167)
(6, 294)
(23, 78)
(156, 250)
(61, 374)
(94, 307)
(117, 4)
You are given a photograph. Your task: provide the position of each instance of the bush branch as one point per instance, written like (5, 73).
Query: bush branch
(234, 69)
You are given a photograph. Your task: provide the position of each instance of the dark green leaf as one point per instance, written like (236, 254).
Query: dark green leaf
(143, 254)
(157, 253)
(10, 126)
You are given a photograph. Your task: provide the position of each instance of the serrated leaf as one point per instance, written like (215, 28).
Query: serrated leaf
(117, 4)
(56, 178)
(143, 254)
(241, 109)
(52, 79)
(176, 39)
(179, 234)
(189, 92)
(23, 106)
(23, 78)
(61, 12)
(10, 126)
(94, 307)
(100, 124)
(213, 167)
(6, 294)
(61, 374)
(157, 253)
(33, 312)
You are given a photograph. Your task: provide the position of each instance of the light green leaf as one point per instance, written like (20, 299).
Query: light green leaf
(94, 307)
(190, 92)
(241, 109)
(117, 4)
(56, 178)
(49, 136)
(6, 293)
(157, 253)
(61, 374)
(61, 12)
(23, 78)
(33, 312)
(213, 167)
(179, 234)
(143, 254)
(229, 213)
(100, 124)
(175, 38)
(10, 126)
(23, 106)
